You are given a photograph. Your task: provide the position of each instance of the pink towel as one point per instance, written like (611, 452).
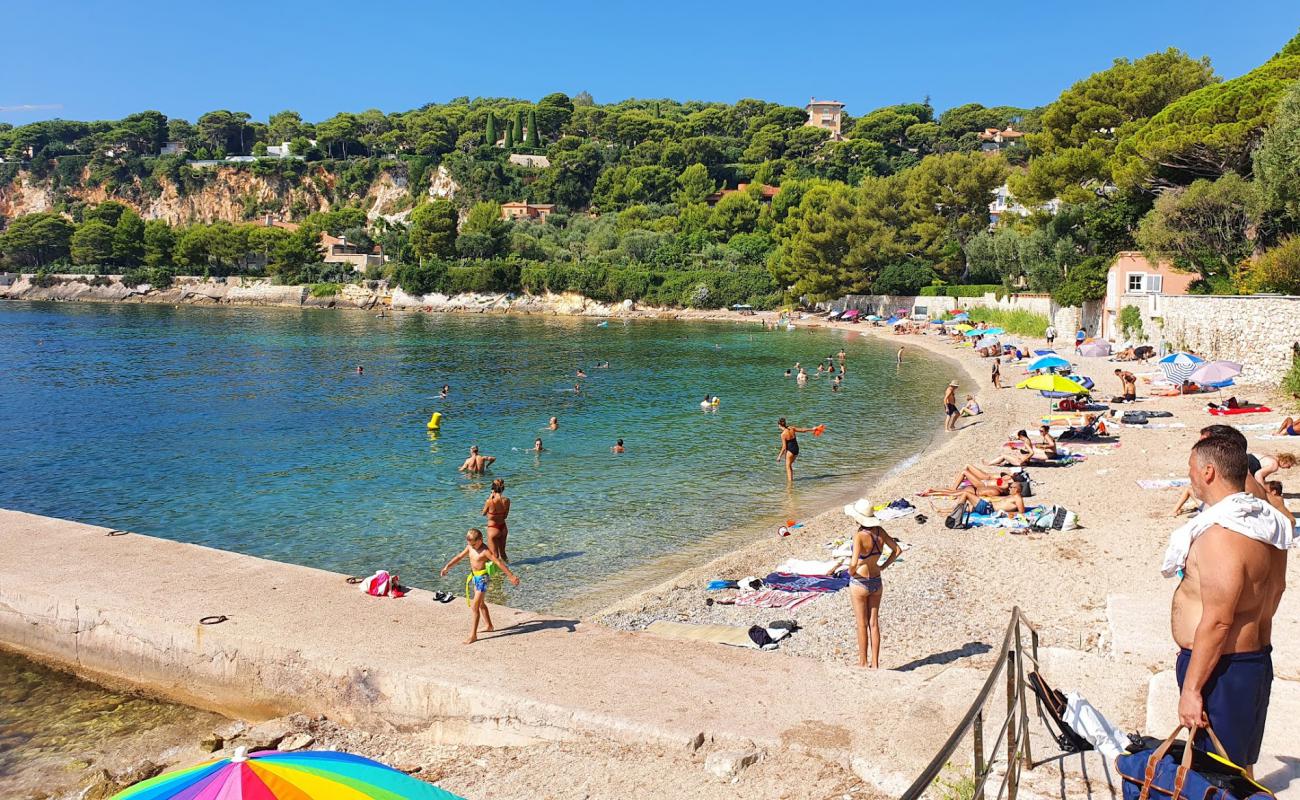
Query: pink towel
(774, 598)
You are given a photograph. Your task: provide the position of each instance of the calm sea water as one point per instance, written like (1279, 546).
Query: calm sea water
(249, 430)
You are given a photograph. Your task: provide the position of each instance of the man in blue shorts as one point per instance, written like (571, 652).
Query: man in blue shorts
(1233, 562)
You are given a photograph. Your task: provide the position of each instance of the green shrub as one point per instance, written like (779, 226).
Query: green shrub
(325, 289)
(1291, 381)
(972, 290)
(44, 280)
(156, 277)
(1130, 324)
(1018, 321)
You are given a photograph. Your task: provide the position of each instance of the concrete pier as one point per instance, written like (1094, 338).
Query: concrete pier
(126, 608)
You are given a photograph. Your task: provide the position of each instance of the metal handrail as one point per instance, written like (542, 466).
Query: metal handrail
(1009, 654)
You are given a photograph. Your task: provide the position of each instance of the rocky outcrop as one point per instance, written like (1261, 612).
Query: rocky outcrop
(232, 194)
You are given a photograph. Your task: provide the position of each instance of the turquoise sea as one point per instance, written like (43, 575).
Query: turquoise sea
(250, 430)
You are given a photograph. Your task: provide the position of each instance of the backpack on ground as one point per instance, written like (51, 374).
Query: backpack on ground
(959, 518)
(1067, 738)
(1026, 485)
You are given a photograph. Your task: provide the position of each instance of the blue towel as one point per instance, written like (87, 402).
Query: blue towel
(786, 582)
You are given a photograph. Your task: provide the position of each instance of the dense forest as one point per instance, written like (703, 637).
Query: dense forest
(1157, 153)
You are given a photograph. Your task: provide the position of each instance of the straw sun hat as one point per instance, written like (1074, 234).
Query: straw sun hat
(862, 512)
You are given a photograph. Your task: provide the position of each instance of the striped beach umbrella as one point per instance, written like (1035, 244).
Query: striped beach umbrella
(1177, 367)
(272, 775)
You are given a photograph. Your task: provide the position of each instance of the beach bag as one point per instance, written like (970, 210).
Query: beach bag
(959, 518)
(1026, 485)
(382, 584)
(1133, 418)
(1171, 769)
(1067, 738)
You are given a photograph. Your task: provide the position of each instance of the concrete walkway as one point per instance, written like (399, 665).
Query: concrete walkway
(126, 608)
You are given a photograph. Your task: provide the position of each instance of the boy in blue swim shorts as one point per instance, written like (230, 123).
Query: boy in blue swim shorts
(476, 583)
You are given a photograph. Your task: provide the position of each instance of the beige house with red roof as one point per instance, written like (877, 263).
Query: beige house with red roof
(766, 193)
(521, 210)
(994, 139)
(337, 249)
(826, 114)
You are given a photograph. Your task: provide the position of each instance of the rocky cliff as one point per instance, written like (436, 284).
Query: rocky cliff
(233, 193)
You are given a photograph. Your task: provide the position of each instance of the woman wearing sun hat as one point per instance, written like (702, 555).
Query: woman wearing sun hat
(865, 583)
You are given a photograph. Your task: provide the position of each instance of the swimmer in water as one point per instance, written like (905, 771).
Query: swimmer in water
(842, 355)
(445, 391)
(581, 374)
(788, 373)
(835, 384)
(360, 369)
(789, 447)
(802, 380)
(900, 355)
(707, 402)
(618, 447)
(537, 446)
(476, 464)
(577, 388)
(554, 424)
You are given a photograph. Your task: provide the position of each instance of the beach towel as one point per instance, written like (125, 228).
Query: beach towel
(1084, 718)
(775, 598)
(802, 583)
(733, 635)
(998, 519)
(1229, 412)
(1089, 449)
(1164, 483)
(892, 513)
(1240, 513)
(1157, 426)
(796, 566)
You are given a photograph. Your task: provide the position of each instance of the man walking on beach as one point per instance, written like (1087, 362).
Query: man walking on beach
(950, 410)
(1050, 333)
(1232, 558)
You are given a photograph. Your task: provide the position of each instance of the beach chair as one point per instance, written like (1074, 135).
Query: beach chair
(1067, 738)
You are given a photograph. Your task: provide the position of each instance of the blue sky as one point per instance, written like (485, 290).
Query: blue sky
(98, 60)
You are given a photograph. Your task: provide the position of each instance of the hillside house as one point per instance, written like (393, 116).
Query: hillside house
(766, 193)
(523, 210)
(336, 249)
(992, 139)
(826, 114)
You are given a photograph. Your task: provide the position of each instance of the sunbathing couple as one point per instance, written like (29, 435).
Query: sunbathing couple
(983, 490)
(1026, 451)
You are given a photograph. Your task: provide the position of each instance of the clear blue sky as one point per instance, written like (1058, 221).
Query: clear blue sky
(95, 60)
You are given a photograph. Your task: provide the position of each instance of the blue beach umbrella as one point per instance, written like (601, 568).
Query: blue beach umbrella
(1048, 362)
(1178, 366)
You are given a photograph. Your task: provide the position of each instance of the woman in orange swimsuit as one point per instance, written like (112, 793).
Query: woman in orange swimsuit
(866, 586)
(496, 508)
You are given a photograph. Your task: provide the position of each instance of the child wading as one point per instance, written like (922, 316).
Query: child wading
(476, 583)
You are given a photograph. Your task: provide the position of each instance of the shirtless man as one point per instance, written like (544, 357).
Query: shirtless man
(789, 447)
(496, 508)
(1222, 614)
(554, 424)
(951, 413)
(802, 378)
(1129, 382)
(841, 356)
(477, 583)
(476, 464)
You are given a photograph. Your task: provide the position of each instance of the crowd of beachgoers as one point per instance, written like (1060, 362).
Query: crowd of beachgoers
(1050, 503)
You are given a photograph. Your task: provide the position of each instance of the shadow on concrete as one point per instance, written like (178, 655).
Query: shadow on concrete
(535, 560)
(1279, 780)
(948, 656)
(536, 625)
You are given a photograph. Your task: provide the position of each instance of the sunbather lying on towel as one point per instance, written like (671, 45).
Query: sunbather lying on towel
(1091, 428)
(974, 479)
(1011, 504)
(1289, 427)
(1023, 452)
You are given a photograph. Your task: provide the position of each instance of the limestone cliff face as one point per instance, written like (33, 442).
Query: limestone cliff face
(233, 194)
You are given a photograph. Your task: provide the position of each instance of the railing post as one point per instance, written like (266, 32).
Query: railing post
(1012, 733)
(1028, 756)
(979, 754)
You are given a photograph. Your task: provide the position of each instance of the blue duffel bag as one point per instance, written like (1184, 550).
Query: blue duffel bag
(1171, 770)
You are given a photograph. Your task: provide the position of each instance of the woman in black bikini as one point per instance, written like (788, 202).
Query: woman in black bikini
(789, 447)
(866, 587)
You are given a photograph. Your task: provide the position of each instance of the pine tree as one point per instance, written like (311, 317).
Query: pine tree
(491, 129)
(533, 139)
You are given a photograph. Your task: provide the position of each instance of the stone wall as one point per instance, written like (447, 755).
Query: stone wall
(1066, 319)
(1255, 330)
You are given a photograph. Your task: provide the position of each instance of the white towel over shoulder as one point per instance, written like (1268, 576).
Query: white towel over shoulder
(1241, 513)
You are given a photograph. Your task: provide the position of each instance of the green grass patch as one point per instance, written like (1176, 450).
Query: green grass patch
(325, 289)
(1018, 321)
(972, 290)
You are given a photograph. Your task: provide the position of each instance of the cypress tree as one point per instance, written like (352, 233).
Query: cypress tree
(533, 139)
(519, 125)
(491, 129)
(510, 135)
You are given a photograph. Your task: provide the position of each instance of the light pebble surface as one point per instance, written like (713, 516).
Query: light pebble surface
(948, 599)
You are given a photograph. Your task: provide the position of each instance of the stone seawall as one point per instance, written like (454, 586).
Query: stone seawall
(126, 609)
(1065, 318)
(1257, 331)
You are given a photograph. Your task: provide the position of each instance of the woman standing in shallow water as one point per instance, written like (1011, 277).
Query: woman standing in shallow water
(866, 586)
(496, 508)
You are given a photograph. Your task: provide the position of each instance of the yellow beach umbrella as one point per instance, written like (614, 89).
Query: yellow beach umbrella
(1052, 383)
(963, 327)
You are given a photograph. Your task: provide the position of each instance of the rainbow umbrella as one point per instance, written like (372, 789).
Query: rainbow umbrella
(272, 775)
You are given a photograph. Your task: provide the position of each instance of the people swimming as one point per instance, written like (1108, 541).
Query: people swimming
(835, 384)
(618, 447)
(789, 447)
(446, 390)
(360, 369)
(554, 424)
(476, 583)
(476, 464)
(802, 380)
(580, 373)
(496, 508)
(537, 446)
